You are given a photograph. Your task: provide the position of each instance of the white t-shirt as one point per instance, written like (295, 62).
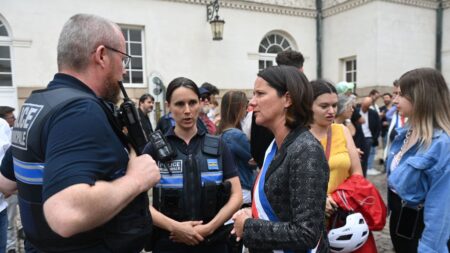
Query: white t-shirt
(5, 142)
(365, 126)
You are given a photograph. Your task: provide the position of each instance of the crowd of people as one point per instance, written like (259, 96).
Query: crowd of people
(274, 173)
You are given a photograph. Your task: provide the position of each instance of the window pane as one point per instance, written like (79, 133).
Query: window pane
(272, 39)
(261, 64)
(135, 35)
(265, 42)
(5, 80)
(269, 64)
(354, 64)
(4, 52)
(354, 77)
(137, 77)
(348, 65)
(136, 49)
(348, 77)
(285, 44)
(3, 31)
(5, 66)
(262, 49)
(274, 49)
(136, 63)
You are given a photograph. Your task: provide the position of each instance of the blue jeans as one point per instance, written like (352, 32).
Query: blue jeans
(3, 230)
(11, 240)
(366, 149)
(371, 159)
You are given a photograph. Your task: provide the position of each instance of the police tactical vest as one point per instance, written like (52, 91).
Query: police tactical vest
(191, 185)
(29, 165)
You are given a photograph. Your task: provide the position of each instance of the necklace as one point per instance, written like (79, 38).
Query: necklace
(400, 153)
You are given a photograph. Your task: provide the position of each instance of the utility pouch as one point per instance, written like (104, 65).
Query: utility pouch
(170, 203)
(209, 201)
(409, 220)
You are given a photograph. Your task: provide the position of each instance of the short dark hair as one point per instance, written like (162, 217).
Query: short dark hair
(213, 90)
(395, 83)
(5, 110)
(288, 79)
(146, 96)
(181, 82)
(322, 86)
(387, 94)
(373, 92)
(290, 58)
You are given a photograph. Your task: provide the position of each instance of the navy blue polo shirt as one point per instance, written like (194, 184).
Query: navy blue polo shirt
(80, 143)
(229, 167)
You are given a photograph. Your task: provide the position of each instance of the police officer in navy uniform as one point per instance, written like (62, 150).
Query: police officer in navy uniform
(80, 187)
(199, 188)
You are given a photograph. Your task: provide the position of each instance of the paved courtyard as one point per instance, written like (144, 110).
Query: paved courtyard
(382, 238)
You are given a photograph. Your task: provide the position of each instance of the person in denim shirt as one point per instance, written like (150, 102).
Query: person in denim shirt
(233, 110)
(419, 164)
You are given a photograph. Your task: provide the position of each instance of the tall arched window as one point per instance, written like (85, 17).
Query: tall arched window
(5, 57)
(270, 46)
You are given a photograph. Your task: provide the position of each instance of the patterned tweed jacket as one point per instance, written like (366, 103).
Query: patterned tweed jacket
(296, 187)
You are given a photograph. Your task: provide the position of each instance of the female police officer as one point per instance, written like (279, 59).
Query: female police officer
(199, 188)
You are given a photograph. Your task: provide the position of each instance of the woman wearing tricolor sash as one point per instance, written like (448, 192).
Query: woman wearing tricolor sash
(288, 208)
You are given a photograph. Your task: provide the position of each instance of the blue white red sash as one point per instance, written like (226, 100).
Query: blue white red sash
(261, 208)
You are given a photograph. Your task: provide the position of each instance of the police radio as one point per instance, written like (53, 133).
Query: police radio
(129, 117)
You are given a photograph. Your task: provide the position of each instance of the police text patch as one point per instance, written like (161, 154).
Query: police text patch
(175, 166)
(28, 115)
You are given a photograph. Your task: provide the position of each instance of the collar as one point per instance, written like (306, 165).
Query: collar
(63, 80)
(402, 131)
(292, 135)
(282, 151)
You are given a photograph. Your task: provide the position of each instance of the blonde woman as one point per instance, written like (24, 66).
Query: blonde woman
(418, 165)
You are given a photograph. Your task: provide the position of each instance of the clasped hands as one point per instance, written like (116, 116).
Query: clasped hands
(190, 232)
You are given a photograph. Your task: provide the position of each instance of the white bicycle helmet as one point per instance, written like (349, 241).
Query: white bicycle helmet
(349, 237)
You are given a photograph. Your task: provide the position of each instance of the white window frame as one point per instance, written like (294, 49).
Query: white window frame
(353, 71)
(130, 65)
(6, 41)
(270, 57)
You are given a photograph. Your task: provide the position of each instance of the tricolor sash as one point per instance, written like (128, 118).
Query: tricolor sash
(261, 208)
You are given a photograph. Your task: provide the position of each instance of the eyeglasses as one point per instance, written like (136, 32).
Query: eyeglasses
(125, 60)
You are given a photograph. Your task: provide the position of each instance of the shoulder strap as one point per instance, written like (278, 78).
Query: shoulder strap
(66, 95)
(328, 149)
(211, 145)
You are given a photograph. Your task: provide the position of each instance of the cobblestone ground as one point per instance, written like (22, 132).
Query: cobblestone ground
(382, 238)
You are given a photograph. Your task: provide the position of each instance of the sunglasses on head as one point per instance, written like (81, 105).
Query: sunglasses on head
(204, 97)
